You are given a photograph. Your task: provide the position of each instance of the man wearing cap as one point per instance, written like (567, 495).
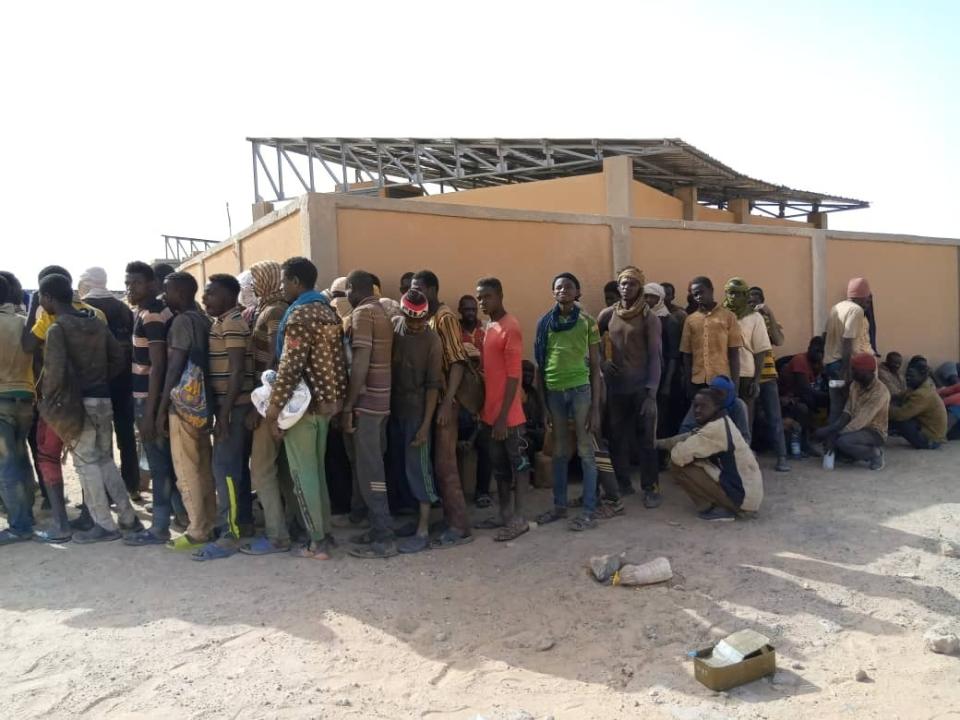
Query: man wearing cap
(848, 333)
(417, 370)
(860, 430)
(632, 375)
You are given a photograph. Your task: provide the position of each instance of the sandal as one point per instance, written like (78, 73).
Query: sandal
(406, 530)
(415, 544)
(557, 513)
(607, 509)
(483, 501)
(213, 551)
(145, 537)
(582, 522)
(374, 551)
(491, 523)
(512, 531)
(185, 543)
(364, 538)
(450, 538)
(263, 546)
(311, 551)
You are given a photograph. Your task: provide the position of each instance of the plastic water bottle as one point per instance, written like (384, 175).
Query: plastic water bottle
(795, 443)
(828, 459)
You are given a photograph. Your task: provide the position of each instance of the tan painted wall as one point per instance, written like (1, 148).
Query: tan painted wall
(278, 241)
(915, 293)
(709, 214)
(578, 194)
(222, 261)
(649, 202)
(777, 222)
(781, 265)
(524, 255)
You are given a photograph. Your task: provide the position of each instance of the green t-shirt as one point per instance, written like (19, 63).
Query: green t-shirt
(568, 354)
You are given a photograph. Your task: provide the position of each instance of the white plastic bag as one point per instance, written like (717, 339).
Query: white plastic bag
(294, 409)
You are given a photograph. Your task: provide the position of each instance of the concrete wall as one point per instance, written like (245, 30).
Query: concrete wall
(578, 194)
(916, 299)
(780, 264)
(651, 203)
(524, 255)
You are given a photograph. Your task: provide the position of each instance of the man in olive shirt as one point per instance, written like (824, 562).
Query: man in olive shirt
(919, 415)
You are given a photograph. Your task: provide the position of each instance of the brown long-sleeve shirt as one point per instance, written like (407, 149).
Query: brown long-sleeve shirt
(868, 407)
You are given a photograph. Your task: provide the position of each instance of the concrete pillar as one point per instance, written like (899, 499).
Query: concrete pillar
(688, 193)
(618, 178)
(318, 235)
(261, 208)
(740, 207)
(621, 245)
(818, 257)
(818, 220)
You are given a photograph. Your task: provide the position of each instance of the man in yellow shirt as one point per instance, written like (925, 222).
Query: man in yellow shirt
(848, 333)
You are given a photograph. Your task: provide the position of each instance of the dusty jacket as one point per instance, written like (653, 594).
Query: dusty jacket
(16, 366)
(710, 440)
(89, 347)
(925, 406)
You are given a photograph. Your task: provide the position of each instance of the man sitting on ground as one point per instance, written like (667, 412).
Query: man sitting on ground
(861, 428)
(919, 415)
(713, 464)
(889, 374)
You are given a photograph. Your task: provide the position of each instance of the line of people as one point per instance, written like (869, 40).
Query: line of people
(398, 391)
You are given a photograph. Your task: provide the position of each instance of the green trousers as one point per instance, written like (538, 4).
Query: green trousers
(306, 446)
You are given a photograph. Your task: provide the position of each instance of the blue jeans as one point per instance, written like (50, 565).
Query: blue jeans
(161, 472)
(565, 404)
(16, 477)
(229, 458)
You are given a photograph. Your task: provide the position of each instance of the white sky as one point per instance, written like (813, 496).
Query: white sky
(122, 121)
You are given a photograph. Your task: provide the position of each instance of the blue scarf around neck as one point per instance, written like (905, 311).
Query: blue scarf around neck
(310, 296)
(556, 322)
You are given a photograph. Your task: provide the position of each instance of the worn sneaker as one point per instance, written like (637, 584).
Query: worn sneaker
(782, 465)
(135, 527)
(717, 514)
(652, 498)
(96, 534)
(879, 461)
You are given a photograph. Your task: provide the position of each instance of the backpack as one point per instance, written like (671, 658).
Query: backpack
(190, 396)
(63, 409)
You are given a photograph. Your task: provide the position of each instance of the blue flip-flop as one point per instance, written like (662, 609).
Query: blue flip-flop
(263, 546)
(212, 551)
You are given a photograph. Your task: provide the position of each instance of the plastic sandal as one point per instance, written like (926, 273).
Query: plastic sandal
(449, 539)
(263, 546)
(492, 523)
(185, 543)
(374, 551)
(48, 537)
(511, 532)
(364, 538)
(311, 551)
(582, 522)
(212, 551)
(553, 515)
(415, 544)
(144, 537)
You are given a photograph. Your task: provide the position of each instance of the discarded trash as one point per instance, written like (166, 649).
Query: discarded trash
(948, 549)
(603, 567)
(942, 642)
(739, 658)
(655, 571)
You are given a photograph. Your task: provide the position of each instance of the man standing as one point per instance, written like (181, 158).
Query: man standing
(188, 340)
(756, 342)
(415, 389)
(567, 351)
(860, 430)
(16, 417)
(92, 287)
(148, 369)
(406, 280)
(231, 380)
(309, 348)
(502, 413)
(768, 394)
(632, 374)
(919, 415)
(471, 332)
(365, 412)
(711, 339)
(268, 464)
(848, 334)
(82, 356)
(470, 328)
(446, 431)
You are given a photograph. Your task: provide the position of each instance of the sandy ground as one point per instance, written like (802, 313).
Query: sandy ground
(842, 570)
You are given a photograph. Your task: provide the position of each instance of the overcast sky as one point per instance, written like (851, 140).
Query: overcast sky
(124, 121)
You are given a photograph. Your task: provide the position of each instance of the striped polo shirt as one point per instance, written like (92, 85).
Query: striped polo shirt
(149, 326)
(230, 331)
(371, 328)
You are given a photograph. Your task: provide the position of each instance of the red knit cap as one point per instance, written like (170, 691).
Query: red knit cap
(414, 305)
(863, 361)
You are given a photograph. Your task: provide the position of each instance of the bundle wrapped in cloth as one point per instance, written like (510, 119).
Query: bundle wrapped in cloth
(294, 409)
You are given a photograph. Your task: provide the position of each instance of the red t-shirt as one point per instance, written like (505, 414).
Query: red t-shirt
(502, 357)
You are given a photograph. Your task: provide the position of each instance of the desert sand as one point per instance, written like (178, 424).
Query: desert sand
(844, 571)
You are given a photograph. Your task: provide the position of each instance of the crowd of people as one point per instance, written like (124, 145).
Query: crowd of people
(401, 392)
